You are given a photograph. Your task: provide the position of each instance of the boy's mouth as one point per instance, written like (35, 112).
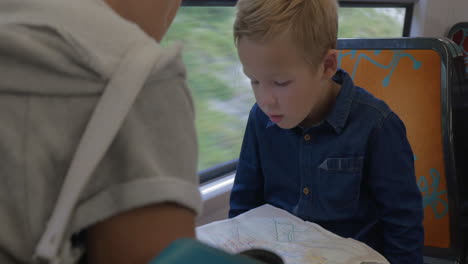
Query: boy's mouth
(276, 118)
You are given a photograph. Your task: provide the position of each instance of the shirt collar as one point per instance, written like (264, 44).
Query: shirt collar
(339, 114)
(270, 123)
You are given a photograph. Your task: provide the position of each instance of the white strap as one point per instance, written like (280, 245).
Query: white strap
(108, 116)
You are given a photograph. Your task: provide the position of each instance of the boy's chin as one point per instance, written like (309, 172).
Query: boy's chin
(286, 125)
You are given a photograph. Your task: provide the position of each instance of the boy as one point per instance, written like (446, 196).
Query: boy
(57, 56)
(315, 144)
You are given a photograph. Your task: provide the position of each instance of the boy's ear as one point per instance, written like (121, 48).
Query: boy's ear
(330, 63)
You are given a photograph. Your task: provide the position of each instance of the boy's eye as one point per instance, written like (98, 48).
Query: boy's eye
(253, 82)
(285, 83)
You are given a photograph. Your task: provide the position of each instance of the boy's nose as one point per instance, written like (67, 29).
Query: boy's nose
(266, 99)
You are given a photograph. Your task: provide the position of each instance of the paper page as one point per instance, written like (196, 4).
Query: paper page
(295, 240)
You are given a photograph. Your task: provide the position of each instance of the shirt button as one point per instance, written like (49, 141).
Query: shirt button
(306, 191)
(306, 137)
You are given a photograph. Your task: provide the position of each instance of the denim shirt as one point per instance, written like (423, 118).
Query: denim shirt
(353, 173)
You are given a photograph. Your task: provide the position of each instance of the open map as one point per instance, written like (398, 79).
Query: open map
(295, 240)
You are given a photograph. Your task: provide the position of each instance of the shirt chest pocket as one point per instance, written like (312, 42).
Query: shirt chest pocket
(340, 183)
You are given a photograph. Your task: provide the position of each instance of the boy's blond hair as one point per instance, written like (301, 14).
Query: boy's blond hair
(312, 24)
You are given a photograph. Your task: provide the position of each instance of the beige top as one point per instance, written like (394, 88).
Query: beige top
(56, 57)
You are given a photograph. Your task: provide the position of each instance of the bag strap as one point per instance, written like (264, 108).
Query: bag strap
(107, 118)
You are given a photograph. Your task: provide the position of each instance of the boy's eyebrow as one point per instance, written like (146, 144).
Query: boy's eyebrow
(271, 75)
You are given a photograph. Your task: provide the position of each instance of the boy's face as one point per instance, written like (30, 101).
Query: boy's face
(287, 88)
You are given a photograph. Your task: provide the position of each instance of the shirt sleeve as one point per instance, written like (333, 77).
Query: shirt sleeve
(153, 158)
(393, 183)
(247, 192)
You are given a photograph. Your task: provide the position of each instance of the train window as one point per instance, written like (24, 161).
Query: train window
(368, 22)
(221, 92)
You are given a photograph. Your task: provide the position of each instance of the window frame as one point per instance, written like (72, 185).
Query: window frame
(218, 171)
(228, 167)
